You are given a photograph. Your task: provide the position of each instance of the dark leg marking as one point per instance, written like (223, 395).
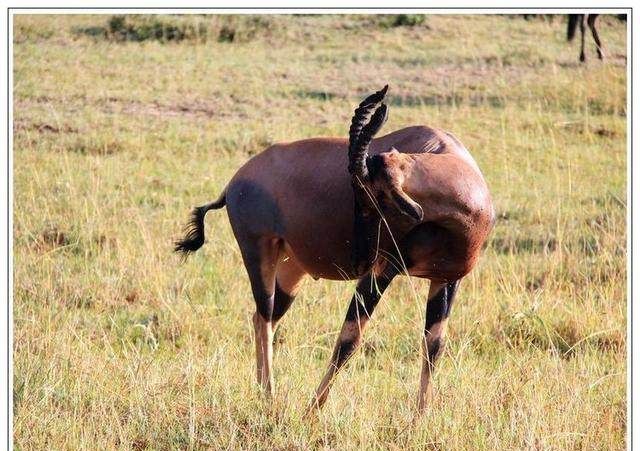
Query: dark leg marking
(264, 305)
(434, 349)
(281, 303)
(367, 295)
(363, 303)
(344, 350)
(439, 306)
(438, 309)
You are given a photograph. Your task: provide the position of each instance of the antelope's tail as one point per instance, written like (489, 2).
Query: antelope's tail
(194, 230)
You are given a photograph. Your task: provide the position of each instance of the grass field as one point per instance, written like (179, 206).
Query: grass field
(122, 125)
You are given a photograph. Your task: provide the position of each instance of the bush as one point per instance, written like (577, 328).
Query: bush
(223, 28)
(242, 28)
(143, 28)
(402, 20)
(408, 20)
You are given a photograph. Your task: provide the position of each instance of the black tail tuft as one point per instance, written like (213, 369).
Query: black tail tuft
(194, 238)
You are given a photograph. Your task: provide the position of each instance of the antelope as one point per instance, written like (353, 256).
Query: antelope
(590, 21)
(413, 202)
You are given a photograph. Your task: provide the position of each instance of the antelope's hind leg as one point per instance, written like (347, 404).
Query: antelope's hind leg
(368, 292)
(260, 256)
(583, 19)
(274, 282)
(439, 304)
(591, 21)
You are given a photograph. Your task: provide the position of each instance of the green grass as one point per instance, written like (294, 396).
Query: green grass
(117, 345)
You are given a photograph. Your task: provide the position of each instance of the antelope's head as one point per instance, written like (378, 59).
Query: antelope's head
(378, 179)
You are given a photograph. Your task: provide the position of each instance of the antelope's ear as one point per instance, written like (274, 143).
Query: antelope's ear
(406, 205)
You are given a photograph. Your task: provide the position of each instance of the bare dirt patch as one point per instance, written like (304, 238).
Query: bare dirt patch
(41, 127)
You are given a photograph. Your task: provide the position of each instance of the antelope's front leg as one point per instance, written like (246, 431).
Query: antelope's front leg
(363, 302)
(438, 308)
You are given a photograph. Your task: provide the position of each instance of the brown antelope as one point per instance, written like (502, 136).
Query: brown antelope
(412, 202)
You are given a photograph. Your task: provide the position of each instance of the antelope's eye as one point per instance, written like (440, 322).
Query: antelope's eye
(374, 164)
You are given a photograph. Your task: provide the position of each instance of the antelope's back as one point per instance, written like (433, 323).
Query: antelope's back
(301, 192)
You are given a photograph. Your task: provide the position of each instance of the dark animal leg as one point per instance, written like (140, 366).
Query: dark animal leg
(571, 26)
(368, 292)
(591, 21)
(438, 308)
(582, 55)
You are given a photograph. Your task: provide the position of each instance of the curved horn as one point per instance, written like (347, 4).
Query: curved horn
(359, 152)
(361, 133)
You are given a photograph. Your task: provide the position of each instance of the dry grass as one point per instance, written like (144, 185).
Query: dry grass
(119, 346)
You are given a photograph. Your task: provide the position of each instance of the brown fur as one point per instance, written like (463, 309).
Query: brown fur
(316, 201)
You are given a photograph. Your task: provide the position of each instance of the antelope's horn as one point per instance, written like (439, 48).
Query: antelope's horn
(361, 133)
